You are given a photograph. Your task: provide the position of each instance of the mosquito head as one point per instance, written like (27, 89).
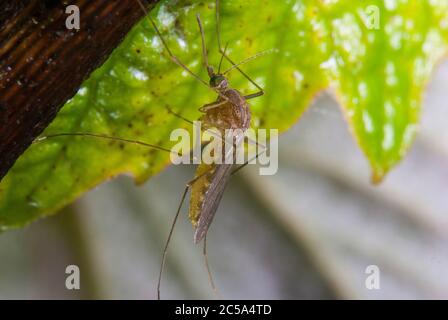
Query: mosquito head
(218, 81)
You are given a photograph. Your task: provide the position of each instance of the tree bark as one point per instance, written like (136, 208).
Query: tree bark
(43, 63)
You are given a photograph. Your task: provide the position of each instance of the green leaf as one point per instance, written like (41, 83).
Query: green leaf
(378, 75)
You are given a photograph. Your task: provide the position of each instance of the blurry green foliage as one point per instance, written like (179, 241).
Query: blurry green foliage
(376, 56)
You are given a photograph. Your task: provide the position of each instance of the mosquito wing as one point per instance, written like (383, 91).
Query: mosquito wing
(212, 190)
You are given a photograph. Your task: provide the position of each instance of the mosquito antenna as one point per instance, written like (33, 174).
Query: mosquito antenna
(222, 57)
(102, 136)
(218, 31)
(223, 52)
(204, 47)
(259, 54)
(172, 56)
(207, 266)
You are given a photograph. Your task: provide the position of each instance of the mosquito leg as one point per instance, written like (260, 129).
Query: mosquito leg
(207, 266)
(179, 115)
(205, 55)
(175, 59)
(264, 149)
(202, 109)
(165, 249)
(254, 95)
(172, 56)
(250, 58)
(212, 105)
(247, 162)
(105, 137)
(250, 96)
(223, 52)
(253, 142)
(191, 122)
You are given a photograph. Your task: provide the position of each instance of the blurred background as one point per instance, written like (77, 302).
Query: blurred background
(308, 232)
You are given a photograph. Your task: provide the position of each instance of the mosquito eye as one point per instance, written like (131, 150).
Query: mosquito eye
(217, 80)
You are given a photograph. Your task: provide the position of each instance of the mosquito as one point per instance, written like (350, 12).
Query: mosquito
(230, 111)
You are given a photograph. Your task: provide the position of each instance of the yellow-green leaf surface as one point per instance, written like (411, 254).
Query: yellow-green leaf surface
(375, 55)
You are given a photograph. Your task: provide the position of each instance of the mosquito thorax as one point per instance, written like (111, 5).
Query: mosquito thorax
(218, 81)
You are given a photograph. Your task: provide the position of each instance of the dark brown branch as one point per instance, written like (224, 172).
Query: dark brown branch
(42, 63)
